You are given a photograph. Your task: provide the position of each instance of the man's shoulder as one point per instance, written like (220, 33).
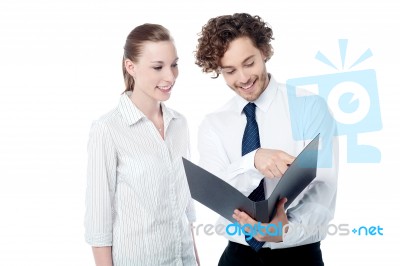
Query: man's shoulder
(224, 110)
(299, 95)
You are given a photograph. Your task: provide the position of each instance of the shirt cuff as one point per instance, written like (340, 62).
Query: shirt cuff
(248, 162)
(99, 240)
(294, 233)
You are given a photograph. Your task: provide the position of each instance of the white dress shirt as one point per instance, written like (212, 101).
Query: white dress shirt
(137, 198)
(220, 148)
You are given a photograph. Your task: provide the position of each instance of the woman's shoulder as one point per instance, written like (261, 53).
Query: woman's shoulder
(106, 119)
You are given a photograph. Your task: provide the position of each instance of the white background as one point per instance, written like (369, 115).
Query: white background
(60, 68)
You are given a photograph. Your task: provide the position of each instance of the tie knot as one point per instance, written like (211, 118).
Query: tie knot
(250, 110)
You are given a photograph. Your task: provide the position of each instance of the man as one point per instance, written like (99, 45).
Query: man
(250, 141)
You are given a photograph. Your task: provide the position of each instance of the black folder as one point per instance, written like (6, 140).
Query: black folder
(223, 198)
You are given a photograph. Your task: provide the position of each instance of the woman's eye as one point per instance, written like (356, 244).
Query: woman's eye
(249, 64)
(157, 68)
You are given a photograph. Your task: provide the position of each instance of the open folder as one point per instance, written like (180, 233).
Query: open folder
(223, 198)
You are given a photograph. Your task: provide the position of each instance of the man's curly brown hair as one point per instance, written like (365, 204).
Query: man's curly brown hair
(217, 34)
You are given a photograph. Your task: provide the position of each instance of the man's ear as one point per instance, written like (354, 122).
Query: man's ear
(130, 67)
(264, 56)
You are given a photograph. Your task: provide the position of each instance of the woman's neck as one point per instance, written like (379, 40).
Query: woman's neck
(149, 107)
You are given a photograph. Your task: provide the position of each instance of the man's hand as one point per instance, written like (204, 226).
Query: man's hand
(279, 221)
(272, 163)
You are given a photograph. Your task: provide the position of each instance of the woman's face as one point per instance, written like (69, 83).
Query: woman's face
(155, 71)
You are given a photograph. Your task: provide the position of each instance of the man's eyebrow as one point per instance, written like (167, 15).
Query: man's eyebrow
(246, 59)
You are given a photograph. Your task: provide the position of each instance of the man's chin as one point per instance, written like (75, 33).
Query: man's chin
(248, 97)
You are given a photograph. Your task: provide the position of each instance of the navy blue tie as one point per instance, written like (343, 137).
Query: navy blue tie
(251, 142)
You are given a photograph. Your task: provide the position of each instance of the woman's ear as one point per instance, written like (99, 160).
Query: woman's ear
(130, 67)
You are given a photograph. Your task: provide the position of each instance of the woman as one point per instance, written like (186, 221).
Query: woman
(138, 205)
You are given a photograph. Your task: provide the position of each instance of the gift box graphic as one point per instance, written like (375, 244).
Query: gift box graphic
(352, 97)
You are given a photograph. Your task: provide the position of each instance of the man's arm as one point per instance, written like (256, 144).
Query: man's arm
(272, 163)
(263, 235)
(244, 173)
(316, 207)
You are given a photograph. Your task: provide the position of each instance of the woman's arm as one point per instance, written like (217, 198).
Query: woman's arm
(102, 256)
(195, 248)
(101, 183)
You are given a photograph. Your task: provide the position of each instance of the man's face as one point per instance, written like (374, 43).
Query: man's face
(243, 69)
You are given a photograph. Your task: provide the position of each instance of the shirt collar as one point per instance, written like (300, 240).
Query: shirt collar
(168, 115)
(132, 114)
(264, 101)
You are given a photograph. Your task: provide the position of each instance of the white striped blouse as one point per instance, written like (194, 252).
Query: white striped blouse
(137, 197)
